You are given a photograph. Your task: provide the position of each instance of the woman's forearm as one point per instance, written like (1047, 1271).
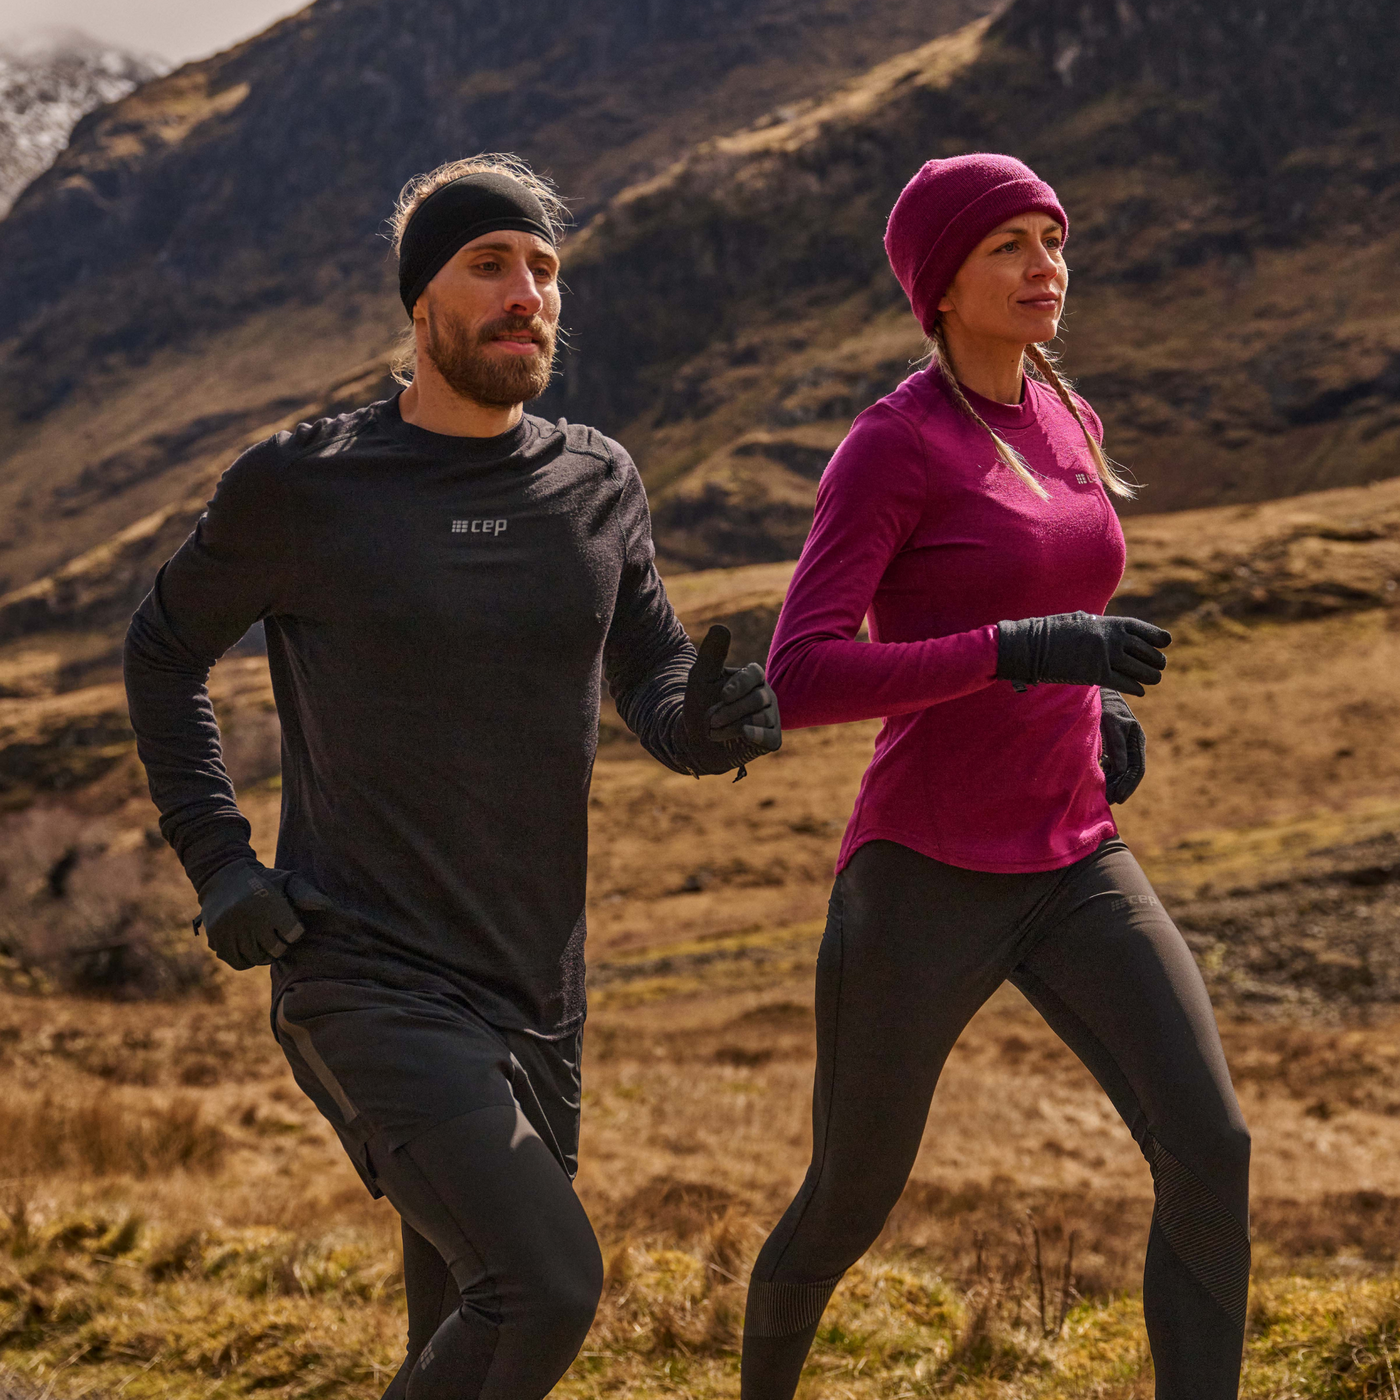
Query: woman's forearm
(833, 680)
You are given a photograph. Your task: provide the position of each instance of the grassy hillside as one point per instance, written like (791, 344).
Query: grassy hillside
(729, 308)
(208, 255)
(177, 1222)
(1229, 240)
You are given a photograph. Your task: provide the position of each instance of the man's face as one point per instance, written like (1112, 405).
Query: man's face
(491, 317)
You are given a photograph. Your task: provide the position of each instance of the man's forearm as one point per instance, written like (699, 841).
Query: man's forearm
(177, 738)
(653, 710)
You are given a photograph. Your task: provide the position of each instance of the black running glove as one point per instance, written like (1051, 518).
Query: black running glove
(730, 712)
(1081, 649)
(1124, 747)
(250, 915)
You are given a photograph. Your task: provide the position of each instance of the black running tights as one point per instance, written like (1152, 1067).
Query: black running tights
(912, 949)
(501, 1267)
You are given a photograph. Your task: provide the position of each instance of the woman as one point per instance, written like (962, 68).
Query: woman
(981, 847)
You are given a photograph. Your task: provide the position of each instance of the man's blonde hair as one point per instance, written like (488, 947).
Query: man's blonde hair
(404, 359)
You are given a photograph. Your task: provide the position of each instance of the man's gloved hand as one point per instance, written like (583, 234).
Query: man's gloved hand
(730, 713)
(249, 912)
(1124, 747)
(1081, 649)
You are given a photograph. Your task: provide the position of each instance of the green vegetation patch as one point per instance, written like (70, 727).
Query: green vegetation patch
(90, 1303)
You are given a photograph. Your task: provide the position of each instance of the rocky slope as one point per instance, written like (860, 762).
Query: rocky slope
(49, 80)
(1233, 230)
(238, 203)
(1232, 173)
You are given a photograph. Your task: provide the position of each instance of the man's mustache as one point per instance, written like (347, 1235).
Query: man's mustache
(535, 325)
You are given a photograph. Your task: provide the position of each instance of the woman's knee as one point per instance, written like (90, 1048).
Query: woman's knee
(1223, 1152)
(1234, 1147)
(1231, 1152)
(1205, 1176)
(1214, 1144)
(823, 1233)
(856, 1223)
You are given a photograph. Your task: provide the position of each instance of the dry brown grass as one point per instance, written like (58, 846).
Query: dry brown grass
(173, 1240)
(106, 1134)
(181, 1223)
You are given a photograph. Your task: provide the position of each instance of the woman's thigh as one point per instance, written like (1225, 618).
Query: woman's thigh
(1112, 975)
(912, 948)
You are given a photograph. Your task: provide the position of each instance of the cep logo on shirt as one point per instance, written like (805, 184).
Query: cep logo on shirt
(1082, 478)
(479, 527)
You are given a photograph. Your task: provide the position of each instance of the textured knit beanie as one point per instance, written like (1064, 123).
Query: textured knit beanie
(946, 210)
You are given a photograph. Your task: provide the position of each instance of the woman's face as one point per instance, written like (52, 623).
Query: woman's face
(1012, 286)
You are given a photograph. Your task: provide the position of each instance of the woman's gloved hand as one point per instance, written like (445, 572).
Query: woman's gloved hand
(730, 712)
(1124, 747)
(250, 915)
(1081, 649)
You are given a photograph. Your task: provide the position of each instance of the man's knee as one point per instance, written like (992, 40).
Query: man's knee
(563, 1294)
(565, 1314)
(518, 1336)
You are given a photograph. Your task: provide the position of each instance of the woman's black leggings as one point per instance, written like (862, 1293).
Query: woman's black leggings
(912, 949)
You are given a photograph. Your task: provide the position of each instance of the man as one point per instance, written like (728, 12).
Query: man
(444, 579)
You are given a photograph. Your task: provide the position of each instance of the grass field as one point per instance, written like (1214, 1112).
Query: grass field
(175, 1221)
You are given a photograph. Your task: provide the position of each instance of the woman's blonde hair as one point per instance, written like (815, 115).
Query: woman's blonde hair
(403, 359)
(1039, 363)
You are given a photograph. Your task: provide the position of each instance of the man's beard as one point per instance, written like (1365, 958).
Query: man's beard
(494, 381)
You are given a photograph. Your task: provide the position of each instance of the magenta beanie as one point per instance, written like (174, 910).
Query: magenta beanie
(946, 210)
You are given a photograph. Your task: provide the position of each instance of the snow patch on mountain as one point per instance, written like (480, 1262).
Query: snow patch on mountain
(49, 80)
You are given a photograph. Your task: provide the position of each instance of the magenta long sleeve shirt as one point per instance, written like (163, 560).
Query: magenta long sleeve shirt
(920, 528)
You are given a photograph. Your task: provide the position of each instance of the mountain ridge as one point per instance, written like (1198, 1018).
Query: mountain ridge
(1239, 344)
(1227, 365)
(275, 165)
(49, 80)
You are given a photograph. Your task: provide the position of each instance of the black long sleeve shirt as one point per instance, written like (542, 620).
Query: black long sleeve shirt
(439, 613)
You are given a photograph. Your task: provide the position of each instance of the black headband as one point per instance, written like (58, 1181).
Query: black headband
(452, 216)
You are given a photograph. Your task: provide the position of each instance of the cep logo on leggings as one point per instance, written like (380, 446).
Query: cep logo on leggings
(1133, 902)
(479, 526)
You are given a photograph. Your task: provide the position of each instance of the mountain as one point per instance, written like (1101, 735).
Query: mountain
(238, 204)
(49, 79)
(1230, 170)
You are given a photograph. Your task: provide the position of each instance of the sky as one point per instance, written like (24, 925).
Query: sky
(175, 30)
